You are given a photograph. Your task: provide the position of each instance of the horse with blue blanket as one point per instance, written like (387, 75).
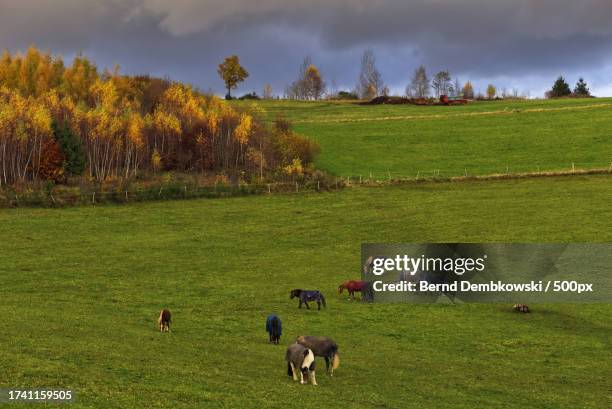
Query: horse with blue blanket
(308, 295)
(274, 328)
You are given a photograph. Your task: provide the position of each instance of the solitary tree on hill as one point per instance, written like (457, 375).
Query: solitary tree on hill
(232, 73)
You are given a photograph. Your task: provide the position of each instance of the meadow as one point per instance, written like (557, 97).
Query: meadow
(402, 141)
(81, 289)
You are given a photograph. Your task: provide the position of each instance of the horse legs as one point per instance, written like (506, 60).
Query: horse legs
(300, 306)
(293, 371)
(319, 305)
(306, 303)
(313, 379)
(326, 364)
(352, 295)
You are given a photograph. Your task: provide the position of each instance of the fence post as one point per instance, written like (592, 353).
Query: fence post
(318, 185)
(269, 191)
(296, 186)
(160, 190)
(418, 174)
(359, 179)
(185, 192)
(93, 198)
(126, 196)
(465, 172)
(573, 167)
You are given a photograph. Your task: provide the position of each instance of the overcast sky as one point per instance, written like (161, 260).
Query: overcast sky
(522, 44)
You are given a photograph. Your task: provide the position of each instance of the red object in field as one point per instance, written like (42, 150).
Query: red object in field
(445, 100)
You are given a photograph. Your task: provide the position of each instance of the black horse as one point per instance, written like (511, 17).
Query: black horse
(274, 328)
(308, 295)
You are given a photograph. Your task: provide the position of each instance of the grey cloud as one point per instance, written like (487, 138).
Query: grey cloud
(477, 39)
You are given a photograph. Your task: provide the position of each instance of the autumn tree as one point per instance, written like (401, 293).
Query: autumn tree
(298, 89)
(57, 121)
(468, 90)
(232, 73)
(314, 84)
(369, 83)
(491, 91)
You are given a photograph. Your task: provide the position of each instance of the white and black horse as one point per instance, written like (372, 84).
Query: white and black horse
(302, 359)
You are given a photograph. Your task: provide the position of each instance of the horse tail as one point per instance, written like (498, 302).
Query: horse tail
(336, 361)
(322, 300)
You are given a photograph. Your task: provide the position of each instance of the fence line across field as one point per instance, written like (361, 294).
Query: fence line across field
(217, 190)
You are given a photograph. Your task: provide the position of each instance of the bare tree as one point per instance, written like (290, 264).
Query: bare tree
(457, 88)
(370, 83)
(419, 84)
(298, 88)
(267, 91)
(441, 83)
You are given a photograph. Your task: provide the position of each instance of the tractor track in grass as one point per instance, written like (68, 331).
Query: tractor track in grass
(448, 116)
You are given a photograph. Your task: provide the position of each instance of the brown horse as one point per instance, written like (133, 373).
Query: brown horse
(324, 347)
(352, 286)
(165, 317)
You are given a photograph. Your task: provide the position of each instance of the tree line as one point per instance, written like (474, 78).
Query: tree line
(59, 120)
(310, 84)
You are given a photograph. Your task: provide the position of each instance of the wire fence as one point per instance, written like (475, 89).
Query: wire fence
(61, 197)
(64, 196)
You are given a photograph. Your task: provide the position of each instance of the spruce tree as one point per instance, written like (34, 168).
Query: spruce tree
(581, 89)
(72, 148)
(560, 88)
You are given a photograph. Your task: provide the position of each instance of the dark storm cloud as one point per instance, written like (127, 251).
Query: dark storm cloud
(515, 43)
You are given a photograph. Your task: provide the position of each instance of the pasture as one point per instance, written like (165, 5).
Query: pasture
(478, 139)
(82, 288)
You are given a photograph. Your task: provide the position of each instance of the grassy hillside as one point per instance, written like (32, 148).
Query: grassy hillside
(480, 138)
(81, 288)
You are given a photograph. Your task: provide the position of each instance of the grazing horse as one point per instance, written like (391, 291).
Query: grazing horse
(308, 295)
(274, 327)
(300, 358)
(164, 320)
(522, 308)
(324, 347)
(352, 286)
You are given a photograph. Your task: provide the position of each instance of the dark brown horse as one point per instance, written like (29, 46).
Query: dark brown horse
(164, 320)
(324, 347)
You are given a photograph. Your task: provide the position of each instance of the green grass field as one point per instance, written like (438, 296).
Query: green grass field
(81, 288)
(478, 139)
